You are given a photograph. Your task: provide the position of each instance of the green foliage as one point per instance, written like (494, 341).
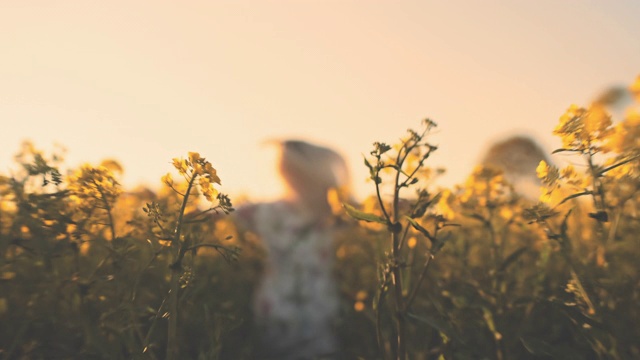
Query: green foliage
(84, 274)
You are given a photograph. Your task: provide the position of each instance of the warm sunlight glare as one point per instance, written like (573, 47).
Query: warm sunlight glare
(141, 81)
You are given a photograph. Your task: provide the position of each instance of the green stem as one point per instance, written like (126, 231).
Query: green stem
(423, 274)
(107, 207)
(381, 343)
(396, 270)
(616, 222)
(598, 190)
(173, 349)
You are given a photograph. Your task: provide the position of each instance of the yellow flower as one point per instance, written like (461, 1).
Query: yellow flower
(597, 121)
(214, 176)
(194, 157)
(335, 199)
(112, 165)
(205, 182)
(197, 169)
(548, 174)
(506, 213)
(210, 193)
(635, 88)
(571, 127)
(625, 137)
(569, 172)
(412, 242)
(444, 205)
(542, 169)
(545, 195)
(89, 183)
(167, 179)
(180, 165)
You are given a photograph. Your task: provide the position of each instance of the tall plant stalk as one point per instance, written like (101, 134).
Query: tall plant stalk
(198, 173)
(173, 349)
(408, 168)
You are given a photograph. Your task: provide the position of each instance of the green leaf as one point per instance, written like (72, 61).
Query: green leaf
(574, 196)
(419, 227)
(512, 258)
(541, 348)
(361, 215)
(565, 150)
(603, 171)
(564, 227)
(367, 164)
(435, 199)
(536, 346)
(451, 224)
(577, 314)
(439, 323)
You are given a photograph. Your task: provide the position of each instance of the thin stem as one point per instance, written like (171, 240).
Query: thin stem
(564, 250)
(143, 339)
(176, 190)
(418, 167)
(200, 217)
(382, 207)
(396, 271)
(172, 341)
(423, 274)
(183, 208)
(616, 222)
(379, 336)
(147, 339)
(404, 236)
(173, 350)
(107, 208)
(598, 193)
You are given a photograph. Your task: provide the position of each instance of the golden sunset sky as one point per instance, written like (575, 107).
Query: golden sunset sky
(146, 81)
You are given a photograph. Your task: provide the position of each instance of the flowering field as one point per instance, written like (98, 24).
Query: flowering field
(91, 270)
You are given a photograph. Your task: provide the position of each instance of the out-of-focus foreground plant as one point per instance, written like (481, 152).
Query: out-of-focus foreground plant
(601, 250)
(84, 274)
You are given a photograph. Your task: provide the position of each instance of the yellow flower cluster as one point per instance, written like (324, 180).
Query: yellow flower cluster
(635, 89)
(589, 132)
(625, 137)
(90, 183)
(446, 205)
(485, 192)
(486, 186)
(583, 129)
(195, 167)
(548, 174)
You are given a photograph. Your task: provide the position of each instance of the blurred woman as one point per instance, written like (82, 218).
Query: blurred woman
(518, 157)
(296, 302)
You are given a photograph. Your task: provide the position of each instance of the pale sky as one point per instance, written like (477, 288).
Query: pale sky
(146, 81)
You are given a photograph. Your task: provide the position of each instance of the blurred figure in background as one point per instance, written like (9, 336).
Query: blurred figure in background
(296, 303)
(518, 157)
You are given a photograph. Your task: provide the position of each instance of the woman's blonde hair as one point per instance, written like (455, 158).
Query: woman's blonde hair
(311, 171)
